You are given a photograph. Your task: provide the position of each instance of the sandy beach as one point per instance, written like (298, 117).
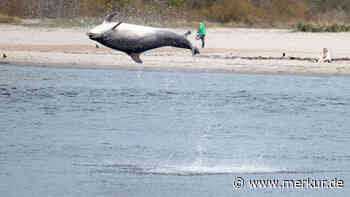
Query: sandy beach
(228, 50)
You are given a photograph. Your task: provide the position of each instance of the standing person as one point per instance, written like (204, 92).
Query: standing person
(201, 33)
(325, 57)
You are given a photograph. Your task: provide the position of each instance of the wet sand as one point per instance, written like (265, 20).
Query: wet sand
(228, 50)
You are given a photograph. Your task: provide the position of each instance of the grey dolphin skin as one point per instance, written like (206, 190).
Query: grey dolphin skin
(135, 39)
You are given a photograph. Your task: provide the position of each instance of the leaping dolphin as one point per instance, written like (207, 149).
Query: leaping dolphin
(135, 39)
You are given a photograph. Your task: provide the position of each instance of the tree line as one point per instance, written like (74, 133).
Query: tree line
(249, 12)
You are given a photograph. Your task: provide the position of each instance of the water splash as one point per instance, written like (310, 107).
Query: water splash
(197, 168)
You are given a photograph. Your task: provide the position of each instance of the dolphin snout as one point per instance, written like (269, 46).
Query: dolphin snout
(92, 35)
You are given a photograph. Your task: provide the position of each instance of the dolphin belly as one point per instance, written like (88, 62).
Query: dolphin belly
(138, 44)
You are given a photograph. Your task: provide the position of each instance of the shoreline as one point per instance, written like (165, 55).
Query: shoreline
(257, 51)
(270, 67)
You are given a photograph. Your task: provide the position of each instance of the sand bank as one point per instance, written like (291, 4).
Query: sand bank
(228, 50)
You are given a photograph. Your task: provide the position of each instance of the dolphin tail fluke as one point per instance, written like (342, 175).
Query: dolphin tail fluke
(135, 57)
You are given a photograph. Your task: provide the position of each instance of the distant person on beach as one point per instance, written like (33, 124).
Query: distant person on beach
(201, 34)
(325, 57)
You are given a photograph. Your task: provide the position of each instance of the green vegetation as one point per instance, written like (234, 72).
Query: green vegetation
(331, 28)
(9, 19)
(324, 14)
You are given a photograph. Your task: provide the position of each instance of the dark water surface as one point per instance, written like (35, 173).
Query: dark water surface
(77, 132)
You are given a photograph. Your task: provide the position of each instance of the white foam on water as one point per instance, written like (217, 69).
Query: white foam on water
(197, 168)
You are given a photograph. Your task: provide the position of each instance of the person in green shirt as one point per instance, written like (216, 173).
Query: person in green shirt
(201, 33)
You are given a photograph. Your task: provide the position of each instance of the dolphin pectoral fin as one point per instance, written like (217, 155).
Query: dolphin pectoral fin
(195, 51)
(135, 57)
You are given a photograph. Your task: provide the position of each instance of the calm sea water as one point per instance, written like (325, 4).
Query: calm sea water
(77, 132)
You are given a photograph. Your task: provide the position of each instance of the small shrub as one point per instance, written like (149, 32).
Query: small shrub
(9, 19)
(333, 28)
(306, 28)
(316, 29)
(336, 28)
(173, 3)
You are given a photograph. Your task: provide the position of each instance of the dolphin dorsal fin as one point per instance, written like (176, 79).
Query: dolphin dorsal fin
(135, 57)
(109, 17)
